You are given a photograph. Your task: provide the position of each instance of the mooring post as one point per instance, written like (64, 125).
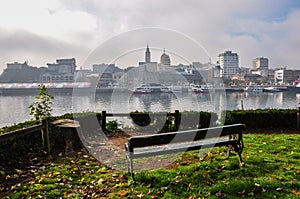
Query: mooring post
(177, 120)
(45, 136)
(103, 118)
(298, 118)
(242, 104)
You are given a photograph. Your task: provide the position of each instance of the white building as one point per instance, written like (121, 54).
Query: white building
(285, 76)
(229, 64)
(279, 76)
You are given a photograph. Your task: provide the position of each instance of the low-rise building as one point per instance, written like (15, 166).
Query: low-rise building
(61, 71)
(285, 76)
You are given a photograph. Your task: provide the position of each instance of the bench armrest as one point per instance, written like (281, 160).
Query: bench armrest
(126, 147)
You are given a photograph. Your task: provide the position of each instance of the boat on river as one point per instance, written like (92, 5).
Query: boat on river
(142, 90)
(252, 88)
(151, 88)
(200, 89)
(271, 89)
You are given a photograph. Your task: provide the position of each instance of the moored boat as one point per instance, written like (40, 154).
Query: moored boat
(142, 90)
(271, 89)
(199, 89)
(253, 89)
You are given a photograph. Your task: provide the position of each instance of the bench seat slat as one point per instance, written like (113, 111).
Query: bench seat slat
(184, 136)
(180, 147)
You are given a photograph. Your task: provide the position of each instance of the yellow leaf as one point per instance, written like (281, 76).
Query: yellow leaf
(282, 147)
(19, 171)
(100, 181)
(256, 184)
(226, 182)
(56, 173)
(103, 170)
(72, 161)
(287, 168)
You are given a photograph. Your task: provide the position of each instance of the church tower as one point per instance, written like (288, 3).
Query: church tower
(147, 55)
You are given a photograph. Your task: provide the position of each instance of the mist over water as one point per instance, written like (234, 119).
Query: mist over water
(14, 109)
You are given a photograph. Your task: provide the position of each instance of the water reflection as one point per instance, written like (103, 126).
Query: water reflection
(14, 109)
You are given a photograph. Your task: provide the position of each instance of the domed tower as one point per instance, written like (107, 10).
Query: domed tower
(165, 59)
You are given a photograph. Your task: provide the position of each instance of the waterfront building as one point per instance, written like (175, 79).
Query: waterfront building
(252, 78)
(108, 74)
(285, 76)
(61, 71)
(229, 64)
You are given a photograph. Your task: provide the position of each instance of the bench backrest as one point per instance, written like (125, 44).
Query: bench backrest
(185, 136)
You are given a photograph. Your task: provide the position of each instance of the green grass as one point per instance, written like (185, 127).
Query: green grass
(272, 170)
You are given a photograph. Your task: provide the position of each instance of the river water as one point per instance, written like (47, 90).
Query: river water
(14, 109)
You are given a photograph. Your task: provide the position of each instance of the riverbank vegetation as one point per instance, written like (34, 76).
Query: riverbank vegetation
(260, 118)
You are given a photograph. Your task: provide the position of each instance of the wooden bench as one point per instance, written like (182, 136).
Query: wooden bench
(181, 141)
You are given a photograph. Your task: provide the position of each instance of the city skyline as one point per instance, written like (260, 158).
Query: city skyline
(40, 31)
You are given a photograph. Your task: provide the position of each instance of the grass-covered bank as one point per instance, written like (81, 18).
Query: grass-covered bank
(272, 171)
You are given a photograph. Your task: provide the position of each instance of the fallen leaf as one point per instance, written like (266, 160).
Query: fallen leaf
(296, 192)
(140, 195)
(225, 182)
(123, 193)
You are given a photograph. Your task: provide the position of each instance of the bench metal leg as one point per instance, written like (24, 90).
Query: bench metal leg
(240, 159)
(229, 149)
(130, 166)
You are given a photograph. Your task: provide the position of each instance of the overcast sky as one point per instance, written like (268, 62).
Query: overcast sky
(41, 31)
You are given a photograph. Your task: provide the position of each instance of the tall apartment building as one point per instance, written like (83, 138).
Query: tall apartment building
(261, 64)
(229, 64)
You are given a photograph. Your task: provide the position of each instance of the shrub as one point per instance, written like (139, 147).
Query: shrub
(41, 108)
(262, 118)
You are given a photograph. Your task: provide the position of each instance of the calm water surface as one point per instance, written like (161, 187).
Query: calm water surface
(14, 109)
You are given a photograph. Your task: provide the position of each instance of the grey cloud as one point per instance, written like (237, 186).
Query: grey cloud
(22, 45)
(247, 27)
